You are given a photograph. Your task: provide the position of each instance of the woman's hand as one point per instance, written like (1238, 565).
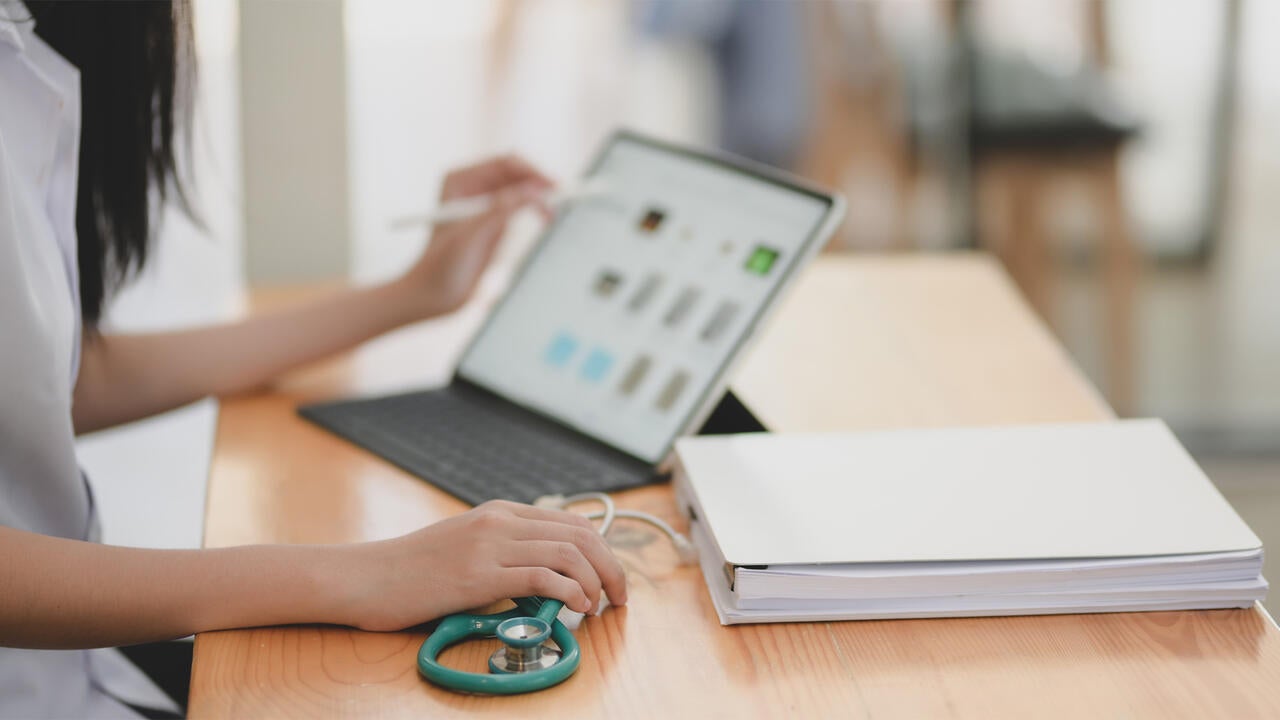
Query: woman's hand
(61, 593)
(447, 273)
(127, 377)
(496, 551)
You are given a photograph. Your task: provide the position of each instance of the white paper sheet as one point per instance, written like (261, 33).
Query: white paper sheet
(1088, 490)
(150, 478)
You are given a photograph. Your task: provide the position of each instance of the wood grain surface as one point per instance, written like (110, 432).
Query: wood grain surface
(861, 343)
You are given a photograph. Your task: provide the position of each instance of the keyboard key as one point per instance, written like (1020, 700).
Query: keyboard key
(475, 448)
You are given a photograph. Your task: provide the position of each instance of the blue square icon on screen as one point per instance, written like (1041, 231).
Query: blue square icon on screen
(597, 365)
(561, 350)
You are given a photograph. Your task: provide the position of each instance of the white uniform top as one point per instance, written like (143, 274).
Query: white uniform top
(41, 487)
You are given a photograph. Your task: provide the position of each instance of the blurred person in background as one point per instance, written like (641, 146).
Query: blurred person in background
(758, 49)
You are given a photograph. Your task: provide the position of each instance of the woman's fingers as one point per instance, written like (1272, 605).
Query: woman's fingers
(478, 238)
(513, 197)
(544, 582)
(565, 558)
(514, 168)
(490, 175)
(612, 576)
(533, 512)
(564, 543)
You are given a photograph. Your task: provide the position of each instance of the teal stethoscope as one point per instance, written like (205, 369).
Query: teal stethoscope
(526, 662)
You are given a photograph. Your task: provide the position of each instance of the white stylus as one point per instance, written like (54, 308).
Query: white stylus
(476, 205)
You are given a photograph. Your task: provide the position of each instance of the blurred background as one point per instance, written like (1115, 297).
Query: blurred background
(1118, 156)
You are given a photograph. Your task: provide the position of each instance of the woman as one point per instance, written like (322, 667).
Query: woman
(96, 82)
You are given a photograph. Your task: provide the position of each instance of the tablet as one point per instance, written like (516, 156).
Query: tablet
(625, 318)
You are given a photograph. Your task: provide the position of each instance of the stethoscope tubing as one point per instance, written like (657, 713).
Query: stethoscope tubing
(462, 626)
(457, 628)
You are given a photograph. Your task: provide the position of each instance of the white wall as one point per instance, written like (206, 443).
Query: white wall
(195, 274)
(428, 91)
(294, 130)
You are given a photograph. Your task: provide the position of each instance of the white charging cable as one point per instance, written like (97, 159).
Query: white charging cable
(608, 513)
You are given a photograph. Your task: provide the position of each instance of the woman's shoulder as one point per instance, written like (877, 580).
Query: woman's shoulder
(12, 16)
(40, 121)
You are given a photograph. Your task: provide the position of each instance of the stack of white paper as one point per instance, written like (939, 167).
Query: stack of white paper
(1102, 517)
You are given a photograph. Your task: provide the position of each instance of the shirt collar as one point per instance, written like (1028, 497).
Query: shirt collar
(15, 20)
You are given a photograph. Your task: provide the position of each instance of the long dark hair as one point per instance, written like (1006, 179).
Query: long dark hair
(136, 79)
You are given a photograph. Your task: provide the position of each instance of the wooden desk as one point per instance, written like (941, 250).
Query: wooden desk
(862, 343)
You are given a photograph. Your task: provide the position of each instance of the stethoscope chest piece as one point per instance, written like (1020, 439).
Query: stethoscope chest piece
(526, 662)
(524, 646)
(537, 651)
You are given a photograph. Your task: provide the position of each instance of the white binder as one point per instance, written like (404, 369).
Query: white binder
(1012, 520)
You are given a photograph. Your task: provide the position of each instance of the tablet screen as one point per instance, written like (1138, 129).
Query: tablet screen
(635, 301)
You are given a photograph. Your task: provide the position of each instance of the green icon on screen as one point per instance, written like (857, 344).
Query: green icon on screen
(761, 260)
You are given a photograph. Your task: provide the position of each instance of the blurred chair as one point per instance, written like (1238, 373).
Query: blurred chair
(1030, 131)
(857, 118)
(1001, 131)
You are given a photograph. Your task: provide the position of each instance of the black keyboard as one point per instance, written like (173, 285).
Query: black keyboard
(478, 447)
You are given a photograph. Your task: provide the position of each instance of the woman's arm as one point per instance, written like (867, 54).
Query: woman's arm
(59, 593)
(127, 377)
